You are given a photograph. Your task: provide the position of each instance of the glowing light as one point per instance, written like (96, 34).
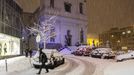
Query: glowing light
(112, 35)
(23, 38)
(123, 33)
(12, 45)
(90, 41)
(128, 31)
(38, 38)
(118, 41)
(124, 48)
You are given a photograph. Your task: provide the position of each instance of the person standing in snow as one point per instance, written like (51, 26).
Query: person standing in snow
(5, 48)
(43, 59)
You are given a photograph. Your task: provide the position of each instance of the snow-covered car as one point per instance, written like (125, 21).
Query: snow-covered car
(52, 62)
(129, 55)
(83, 50)
(103, 53)
(120, 52)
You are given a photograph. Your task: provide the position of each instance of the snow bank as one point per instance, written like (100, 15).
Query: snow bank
(65, 51)
(69, 50)
(120, 68)
(73, 48)
(14, 64)
(99, 64)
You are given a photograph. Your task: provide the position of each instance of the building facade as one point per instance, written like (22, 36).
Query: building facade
(119, 38)
(10, 28)
(71, 21)
(29, 41)
(127, 37)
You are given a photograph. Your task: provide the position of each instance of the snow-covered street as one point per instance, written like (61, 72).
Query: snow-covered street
(74, 65)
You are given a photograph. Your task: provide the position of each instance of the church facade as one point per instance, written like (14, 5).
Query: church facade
(71, 20)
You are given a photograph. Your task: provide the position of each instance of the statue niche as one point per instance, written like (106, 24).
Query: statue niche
(68, 39)
(81, 36)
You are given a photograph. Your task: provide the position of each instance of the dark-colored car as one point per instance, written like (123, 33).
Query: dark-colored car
(103, 53)
(83, 50)
(52, 62)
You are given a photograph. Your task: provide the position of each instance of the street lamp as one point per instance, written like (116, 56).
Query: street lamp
(123, 33)
(112, 36)
(118, 41)
(22, 44)
(128, 31)
(38, 38)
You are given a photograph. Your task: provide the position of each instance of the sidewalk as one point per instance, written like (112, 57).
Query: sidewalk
(15, 64)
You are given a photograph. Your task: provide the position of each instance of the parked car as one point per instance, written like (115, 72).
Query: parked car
(87, 51)
(52, 62)
(78, 53)
(120, 52)
(82, 50)
(126, 56)
(103, 53)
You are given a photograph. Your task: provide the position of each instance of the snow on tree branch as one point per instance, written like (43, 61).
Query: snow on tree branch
(44, 28)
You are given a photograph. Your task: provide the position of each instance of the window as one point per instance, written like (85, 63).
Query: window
(67, 7)
(81, 8)
(52, 3)
(52, 39)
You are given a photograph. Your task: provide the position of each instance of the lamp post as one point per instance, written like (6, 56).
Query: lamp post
(22, 45)
(38, 38)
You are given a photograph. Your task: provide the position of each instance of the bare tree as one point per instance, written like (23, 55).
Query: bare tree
(43, 29)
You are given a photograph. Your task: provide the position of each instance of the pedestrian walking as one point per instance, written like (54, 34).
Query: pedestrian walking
(26, 52)
(30, 52)
(43, 59)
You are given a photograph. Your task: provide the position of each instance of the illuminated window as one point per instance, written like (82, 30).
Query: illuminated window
(118, 41)
(112, 35)
(123, 33)
(128, 31)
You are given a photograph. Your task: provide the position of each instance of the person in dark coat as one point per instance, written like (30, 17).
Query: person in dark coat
(26, 52)
(30, 52)
(43, 59)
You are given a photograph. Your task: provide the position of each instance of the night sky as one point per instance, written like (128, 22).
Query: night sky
(104, 14)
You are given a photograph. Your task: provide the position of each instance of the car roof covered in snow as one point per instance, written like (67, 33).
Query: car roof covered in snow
(48, 53)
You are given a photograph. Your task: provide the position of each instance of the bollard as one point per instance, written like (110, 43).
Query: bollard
(6, 64)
